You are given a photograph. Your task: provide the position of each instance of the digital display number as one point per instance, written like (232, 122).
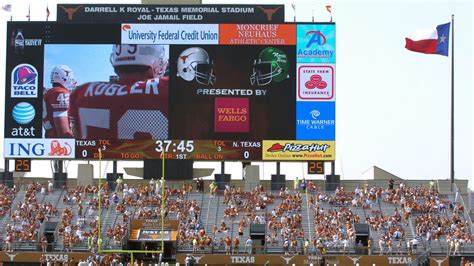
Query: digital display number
(22, 165)
(171, 146)
(316, 168)
(213, 150)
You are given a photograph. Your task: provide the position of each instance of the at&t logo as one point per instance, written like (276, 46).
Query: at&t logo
(23, 113)
(24, 81)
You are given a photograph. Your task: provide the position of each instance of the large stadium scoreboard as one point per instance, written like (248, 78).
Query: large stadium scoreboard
(220, 91)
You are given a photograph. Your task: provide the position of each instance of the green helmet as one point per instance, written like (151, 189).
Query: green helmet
(271, 65)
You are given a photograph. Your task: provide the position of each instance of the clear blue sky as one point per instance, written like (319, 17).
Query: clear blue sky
(392, 104)
(89, 62)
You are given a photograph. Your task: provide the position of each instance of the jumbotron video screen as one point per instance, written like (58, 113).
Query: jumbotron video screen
(183, 91)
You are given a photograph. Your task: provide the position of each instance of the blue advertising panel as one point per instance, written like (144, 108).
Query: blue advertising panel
(315, 120)
(316, 43)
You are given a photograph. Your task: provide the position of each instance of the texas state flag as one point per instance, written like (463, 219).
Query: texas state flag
(430, 41)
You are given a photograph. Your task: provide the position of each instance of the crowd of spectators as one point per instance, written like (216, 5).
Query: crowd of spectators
(433, 216)
(27, 217)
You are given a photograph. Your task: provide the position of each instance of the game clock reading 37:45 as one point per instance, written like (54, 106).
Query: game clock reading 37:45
(169, 146)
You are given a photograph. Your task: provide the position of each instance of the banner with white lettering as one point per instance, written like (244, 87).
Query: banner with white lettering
(170, 33)
(170, 14)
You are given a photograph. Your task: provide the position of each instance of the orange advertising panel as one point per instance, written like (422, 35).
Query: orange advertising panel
(257, 34)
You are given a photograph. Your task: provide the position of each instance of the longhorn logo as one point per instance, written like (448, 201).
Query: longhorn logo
(12, 256)
(185, 57)
(440, 262)
(287, 259)
(269, 11)
(354, 260)
(70, 11)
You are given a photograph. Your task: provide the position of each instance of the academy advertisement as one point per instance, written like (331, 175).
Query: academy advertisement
(316, 43)
(194, 91)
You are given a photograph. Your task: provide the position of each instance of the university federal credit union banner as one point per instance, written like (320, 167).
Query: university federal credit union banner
(128, 13)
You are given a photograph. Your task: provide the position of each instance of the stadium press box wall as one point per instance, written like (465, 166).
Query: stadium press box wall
(219, 91)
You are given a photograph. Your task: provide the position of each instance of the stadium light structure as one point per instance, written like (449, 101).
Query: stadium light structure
(131, 252)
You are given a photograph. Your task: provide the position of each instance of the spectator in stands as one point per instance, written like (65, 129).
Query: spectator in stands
(119, 183)
(249, 246)
(457, 245)
(44, 243)
(391, 182)
(381, 244)
(286, 247)
(236, 243)
(213, 188)
(50, 187)
(457, 196)
(369, 246)
(306, 247)
(296, 184)
(409, 251)
(228, 244)
(8, 243)
(304, 184)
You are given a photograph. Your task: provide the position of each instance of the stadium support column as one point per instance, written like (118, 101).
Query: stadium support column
(222, 179)
(59, 177)
(278, 180)
(112, 177)
(7, 176)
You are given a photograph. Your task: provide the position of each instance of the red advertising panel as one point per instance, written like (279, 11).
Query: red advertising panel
(231, 115)
(257, 34)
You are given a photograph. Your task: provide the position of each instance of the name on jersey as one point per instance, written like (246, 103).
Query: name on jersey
(111, 89)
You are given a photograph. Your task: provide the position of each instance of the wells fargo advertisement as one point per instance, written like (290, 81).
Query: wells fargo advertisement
(292, 150)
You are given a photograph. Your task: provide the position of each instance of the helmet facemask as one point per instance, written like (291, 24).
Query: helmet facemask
(264, 72)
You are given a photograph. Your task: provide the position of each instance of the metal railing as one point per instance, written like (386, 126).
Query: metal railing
(422, 258)
(466, 211)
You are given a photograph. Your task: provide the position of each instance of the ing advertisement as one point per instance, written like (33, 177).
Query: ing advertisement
(193, 91)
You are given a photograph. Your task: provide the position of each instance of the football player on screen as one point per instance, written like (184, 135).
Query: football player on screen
(133, 107)
(56, 103)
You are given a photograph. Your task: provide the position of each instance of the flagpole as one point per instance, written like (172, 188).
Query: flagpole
(293, 5)
(452, 101)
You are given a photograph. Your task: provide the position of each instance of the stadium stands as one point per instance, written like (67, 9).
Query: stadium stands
(403, 220)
